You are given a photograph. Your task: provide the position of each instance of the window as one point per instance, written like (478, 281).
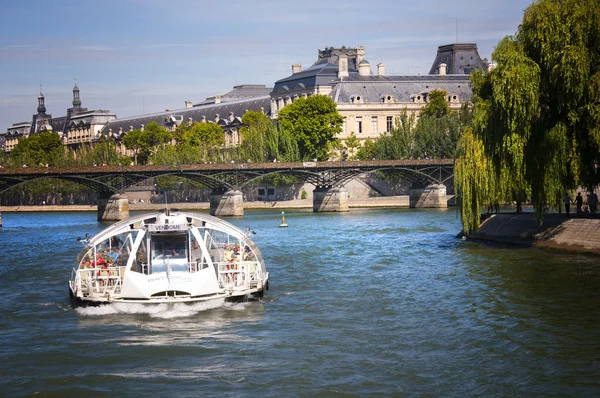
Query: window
(344, 126)
(388, 124)
(374, 124)
(359, 124)
(261, 191)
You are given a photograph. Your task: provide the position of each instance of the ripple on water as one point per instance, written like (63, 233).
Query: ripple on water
(367, 303)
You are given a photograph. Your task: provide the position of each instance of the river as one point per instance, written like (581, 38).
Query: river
(364, 303)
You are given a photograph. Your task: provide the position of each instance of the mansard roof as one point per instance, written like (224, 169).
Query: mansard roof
(240, 92)
(210, 113)
(322, 73)
(460, 58)
(373, 88)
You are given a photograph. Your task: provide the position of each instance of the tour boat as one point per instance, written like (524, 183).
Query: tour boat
(168, 257)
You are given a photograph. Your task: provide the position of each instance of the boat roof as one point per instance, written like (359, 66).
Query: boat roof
(128, 223)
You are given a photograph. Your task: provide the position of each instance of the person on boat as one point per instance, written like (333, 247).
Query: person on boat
(113, 255)
(248, 254)
(98, 261)
(228, 254)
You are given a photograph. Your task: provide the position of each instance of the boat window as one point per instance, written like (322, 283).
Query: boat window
(169, 251)
(141, 259)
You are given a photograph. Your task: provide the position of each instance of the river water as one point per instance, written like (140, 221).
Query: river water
(365, 303)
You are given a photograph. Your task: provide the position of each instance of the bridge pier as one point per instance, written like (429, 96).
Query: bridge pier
(113, 208)
(330, 200)
(225, 204)
(432, 196)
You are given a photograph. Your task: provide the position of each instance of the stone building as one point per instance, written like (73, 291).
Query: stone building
(370, 102)
(225, 109)
(78, 126)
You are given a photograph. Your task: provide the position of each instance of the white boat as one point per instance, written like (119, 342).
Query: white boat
(168, 257)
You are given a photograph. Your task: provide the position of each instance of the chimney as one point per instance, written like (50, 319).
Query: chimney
(360, 54)
(188, 104)
(381, 69)
(364, 68)
(342, 66)
(442, 69)
(296, 68)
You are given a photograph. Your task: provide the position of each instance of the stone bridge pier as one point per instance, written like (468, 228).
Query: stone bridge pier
(227, 204)
(113, 207)
(432, 196)
(330, 200)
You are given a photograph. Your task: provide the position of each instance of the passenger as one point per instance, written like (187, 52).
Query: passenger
(113, 255)
(85, 263)
(236, 249)
(228, 254)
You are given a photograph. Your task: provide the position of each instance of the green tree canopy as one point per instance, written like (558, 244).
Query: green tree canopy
(536, 116)
(263, 142)
(314, 122)
(208, 135)
(144, 142)
(37, 149)
(437, 104)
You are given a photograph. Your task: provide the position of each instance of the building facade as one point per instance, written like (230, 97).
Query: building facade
(371, 102)
(77, 127)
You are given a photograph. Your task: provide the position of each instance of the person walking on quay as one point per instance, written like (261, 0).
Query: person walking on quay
(567, 202)
(593, 202)
(579, 201)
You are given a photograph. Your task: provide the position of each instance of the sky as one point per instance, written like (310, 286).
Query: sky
(136, 57)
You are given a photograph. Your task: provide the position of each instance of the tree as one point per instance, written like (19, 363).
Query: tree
(314, 122)
(367, 151)
(437, 105)
(144, 142)
(352, 143)
(536, 116)
(37, 149)
(261, 140)
(399, 143)
(207, 135)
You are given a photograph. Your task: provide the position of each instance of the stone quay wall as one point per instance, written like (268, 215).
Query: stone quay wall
(578, 233)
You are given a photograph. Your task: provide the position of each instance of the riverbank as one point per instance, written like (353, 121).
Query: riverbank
(376, 202)
(578, 233)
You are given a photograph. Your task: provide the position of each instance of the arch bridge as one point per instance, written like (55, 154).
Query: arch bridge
(227, 179)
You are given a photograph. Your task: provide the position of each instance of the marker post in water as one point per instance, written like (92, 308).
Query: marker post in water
(283, 223)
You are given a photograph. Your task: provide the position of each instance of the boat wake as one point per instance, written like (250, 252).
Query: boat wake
(165, 311)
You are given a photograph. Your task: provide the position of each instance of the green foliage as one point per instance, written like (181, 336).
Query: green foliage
(399, 143)
(37, 149)
(437, 105)
(314, 122)
(207, 135)
(537, 114)
(367, 151)
(263, 142)
(303, 194)
(352, 143)
(437, 137)
(144, 142)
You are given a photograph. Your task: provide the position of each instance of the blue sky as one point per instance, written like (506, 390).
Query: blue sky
(143, 56)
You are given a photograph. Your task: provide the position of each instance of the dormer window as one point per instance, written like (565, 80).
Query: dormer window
(387, 99)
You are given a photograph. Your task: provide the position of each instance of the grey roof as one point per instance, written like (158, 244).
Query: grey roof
(196, 113)
(243, 91)
(319, 74)
(460, 58)
(374, 88)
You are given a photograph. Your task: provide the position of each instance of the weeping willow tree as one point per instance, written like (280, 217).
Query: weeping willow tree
(536, 116)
